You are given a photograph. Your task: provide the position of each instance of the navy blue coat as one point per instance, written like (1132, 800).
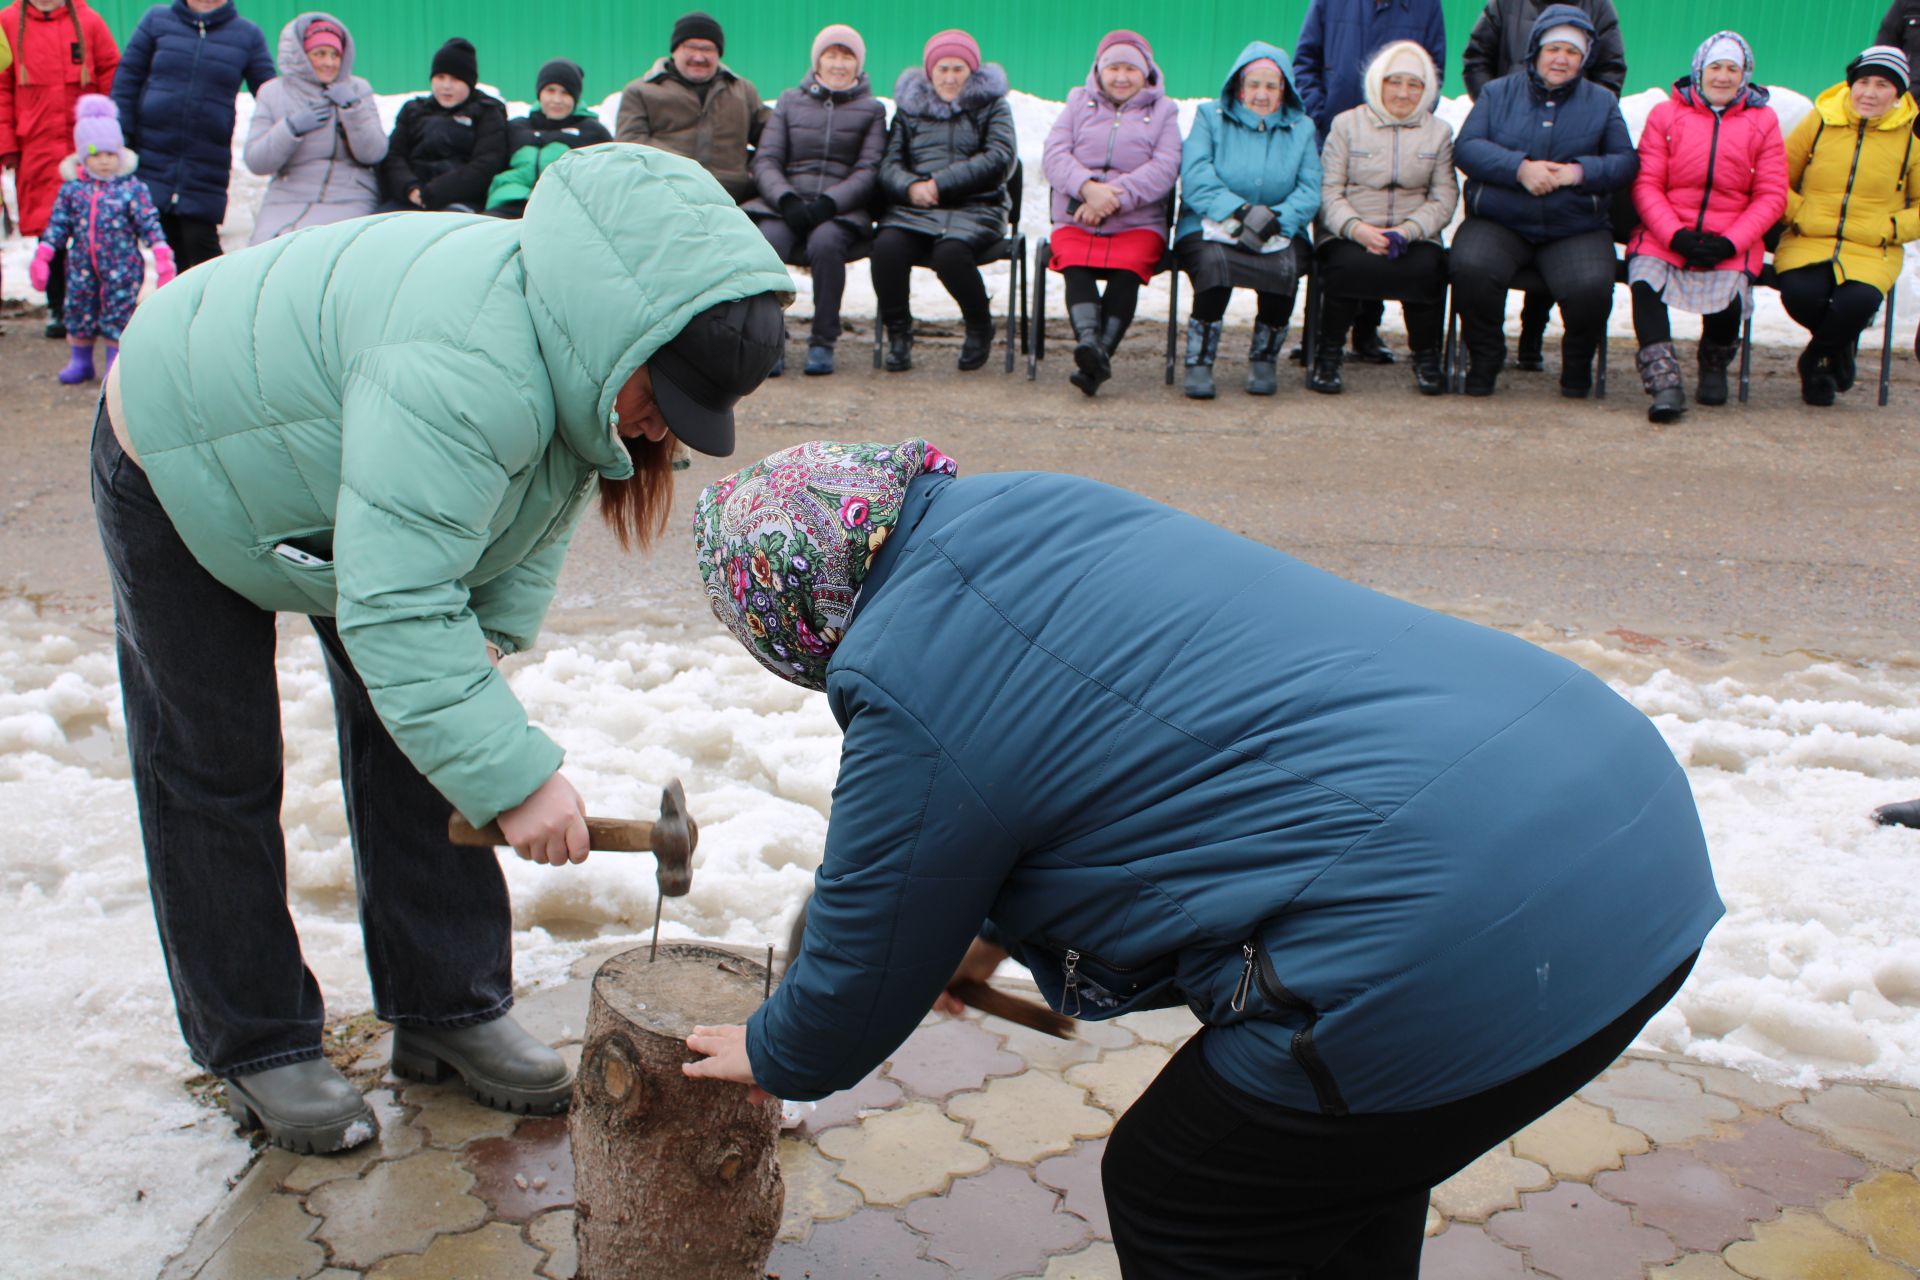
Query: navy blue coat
(175, 89)
(1339, 38)
(1518, 118)
(1390, 858)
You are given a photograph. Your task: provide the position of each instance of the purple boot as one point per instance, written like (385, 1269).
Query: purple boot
(79, 366)
(113, 351)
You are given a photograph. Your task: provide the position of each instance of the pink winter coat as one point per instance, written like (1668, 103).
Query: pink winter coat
(1684, 148)
(1135, 146)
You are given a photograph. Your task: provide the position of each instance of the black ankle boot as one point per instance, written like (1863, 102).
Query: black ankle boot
(56, 323)
(900, 347)
(1714, 359)
(1483, 371)
(1324, 376)
(1368, 348)
(1092, 366)
(976, 345)
(1428, 378)
(1531, 354)
(1817, 385)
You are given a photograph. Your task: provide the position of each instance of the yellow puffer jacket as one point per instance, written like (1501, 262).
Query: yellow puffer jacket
(1853, 200)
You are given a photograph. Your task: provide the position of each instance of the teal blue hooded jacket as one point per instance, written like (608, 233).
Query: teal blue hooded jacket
(1233, 157)
(1390, 858)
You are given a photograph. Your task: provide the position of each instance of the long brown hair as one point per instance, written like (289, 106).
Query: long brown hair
(79, 35)
(636, 509)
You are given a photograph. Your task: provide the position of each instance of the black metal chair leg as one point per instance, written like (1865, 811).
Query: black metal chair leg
(1886, 344)
(1746, 354)
(1173, 320)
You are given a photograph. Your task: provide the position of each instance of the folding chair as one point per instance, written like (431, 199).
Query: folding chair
(1887, 308)
(1043, 253)
(1011, 249)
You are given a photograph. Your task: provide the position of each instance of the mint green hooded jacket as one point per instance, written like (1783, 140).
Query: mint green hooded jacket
(425, 402)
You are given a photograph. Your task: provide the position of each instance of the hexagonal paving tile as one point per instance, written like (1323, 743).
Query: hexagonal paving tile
(894, 1157)
(1170, 1027)
(1662, 1104)
(1097, 1261)
(1120, 1076)
(495, 1251)
(870, 1097)
(1572, 1234)
(1857, 1118)
(1488, 1185)
(398, 1137)
(1001, 1223)
(1699, 1206)
(1466, 1252)
(951, 1055)
(525, 1173)
(1022, 1118)
(1577, 1140)
(814, 1190)
(1077, 1176)
(273, 1243)
(1786, 1163)
(868, 1246)
(1739, 1086)
(1800, 1246)
(396, 1207)
(1887, 1212)
(553, 1232)
(450, 1117)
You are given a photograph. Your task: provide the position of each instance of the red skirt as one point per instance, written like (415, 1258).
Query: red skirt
(1138, 250)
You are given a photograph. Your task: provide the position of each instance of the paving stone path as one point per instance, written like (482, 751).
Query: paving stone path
(975, 1153)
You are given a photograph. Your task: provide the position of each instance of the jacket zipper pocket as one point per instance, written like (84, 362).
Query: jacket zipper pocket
(1325, 1091)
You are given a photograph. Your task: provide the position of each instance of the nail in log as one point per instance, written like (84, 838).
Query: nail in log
(674, 1179)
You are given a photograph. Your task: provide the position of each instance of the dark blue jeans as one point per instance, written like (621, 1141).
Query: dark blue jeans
(203, 730)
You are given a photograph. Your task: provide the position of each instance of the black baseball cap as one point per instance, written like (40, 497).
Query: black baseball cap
(723, 354)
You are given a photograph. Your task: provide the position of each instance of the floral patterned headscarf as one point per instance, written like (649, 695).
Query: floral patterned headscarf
(784, 544)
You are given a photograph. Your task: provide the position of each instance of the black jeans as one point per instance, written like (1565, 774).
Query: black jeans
(1833, 314)
(194, 240)
(1351, 279)
(1578, 271)
(823, 251)
(1121, 299)
(1652, 324)
(1206, 1182)
(897, 251)
(203, 731)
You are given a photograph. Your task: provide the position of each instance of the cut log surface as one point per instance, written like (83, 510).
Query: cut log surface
(674, 1179)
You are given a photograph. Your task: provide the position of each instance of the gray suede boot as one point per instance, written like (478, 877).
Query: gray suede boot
(1203, 347)
(504, 1067)
(306, 1107)
(1660, 375)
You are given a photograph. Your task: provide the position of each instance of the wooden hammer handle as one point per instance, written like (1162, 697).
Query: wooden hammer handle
(1028, 1013)
(610, 835)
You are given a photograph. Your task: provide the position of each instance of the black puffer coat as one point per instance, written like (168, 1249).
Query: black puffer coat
(967, 146)
(451, 154)
(822, 141)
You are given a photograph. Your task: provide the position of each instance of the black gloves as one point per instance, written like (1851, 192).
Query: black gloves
(1701, 250)
(793, 210)
(822, 208)
(1715, 249)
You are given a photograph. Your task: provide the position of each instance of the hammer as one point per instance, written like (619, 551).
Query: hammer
(671, 839)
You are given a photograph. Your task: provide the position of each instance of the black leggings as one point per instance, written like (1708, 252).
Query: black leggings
(1275, 308)
(1833, 313)
(1122, 296)
(1652, 324)
(896, 252)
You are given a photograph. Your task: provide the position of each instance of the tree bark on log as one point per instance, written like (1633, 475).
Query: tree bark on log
(674, 1179)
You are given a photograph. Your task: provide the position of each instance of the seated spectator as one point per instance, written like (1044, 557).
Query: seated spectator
(949, 156)
(553, 128)
(447, 145)
(1852, 167)
(1249, 187)
(315, 133)
(1712, 182)
(1387, 191)
(817, 166)
(1543, 149)
(1112, 158)
(175, 89)
(693, 105)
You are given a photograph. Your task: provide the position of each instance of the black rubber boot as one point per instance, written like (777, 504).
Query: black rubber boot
(1660, 375)
(976, 345)
(56, 322)
(1714, 359)
(1817, 386)
(1483, 371)
(1092, 366)
(1324, 376)
(1262, 356)
(1368, 347)
(1203, 347)
(1901, 813)
(1428, 377)
(503, 1066)
(900, 347)
(307, 1107)
(1112, 330)
(1531, 354)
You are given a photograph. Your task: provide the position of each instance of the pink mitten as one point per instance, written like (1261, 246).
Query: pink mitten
(41, 268)
(163, 268)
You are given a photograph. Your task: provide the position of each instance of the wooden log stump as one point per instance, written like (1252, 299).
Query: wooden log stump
(674, 1179)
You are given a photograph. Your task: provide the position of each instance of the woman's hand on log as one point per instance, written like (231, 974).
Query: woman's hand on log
(726, 1059)
(550, 825)
(981, 960)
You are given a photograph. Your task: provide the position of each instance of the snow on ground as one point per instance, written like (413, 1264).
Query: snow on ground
(1033, 117)
(1814, 974)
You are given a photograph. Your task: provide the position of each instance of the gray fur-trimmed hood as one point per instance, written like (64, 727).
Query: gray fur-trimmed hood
(913, 92)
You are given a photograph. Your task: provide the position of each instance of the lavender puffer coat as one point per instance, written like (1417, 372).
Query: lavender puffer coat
(1134, 145)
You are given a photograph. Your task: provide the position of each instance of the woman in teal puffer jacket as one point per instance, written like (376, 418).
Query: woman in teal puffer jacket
(393, 426)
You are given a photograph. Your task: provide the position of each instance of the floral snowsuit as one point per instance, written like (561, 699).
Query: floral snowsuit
(106, 219)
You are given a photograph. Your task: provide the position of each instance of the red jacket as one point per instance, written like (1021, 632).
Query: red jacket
(37, 93)
(1683, 149)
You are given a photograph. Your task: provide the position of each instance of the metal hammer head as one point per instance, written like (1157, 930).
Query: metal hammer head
(675, 836)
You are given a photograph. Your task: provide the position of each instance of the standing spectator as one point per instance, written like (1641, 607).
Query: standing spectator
(817, 167)
(694, 105)
(1712, 181)
(106, 212)
(61, 50)
(447, 145)
(315, 133)
(1249, 187)
(1338, 41)
(1853, 164)
(952, 150)
(555, 126)
(178, 78)
(1543, 150)
(1496, 47)
(1112, 158)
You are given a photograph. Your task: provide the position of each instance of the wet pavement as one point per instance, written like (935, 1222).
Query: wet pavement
(975, 1152)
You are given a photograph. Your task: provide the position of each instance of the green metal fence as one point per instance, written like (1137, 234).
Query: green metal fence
(1045, 50)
